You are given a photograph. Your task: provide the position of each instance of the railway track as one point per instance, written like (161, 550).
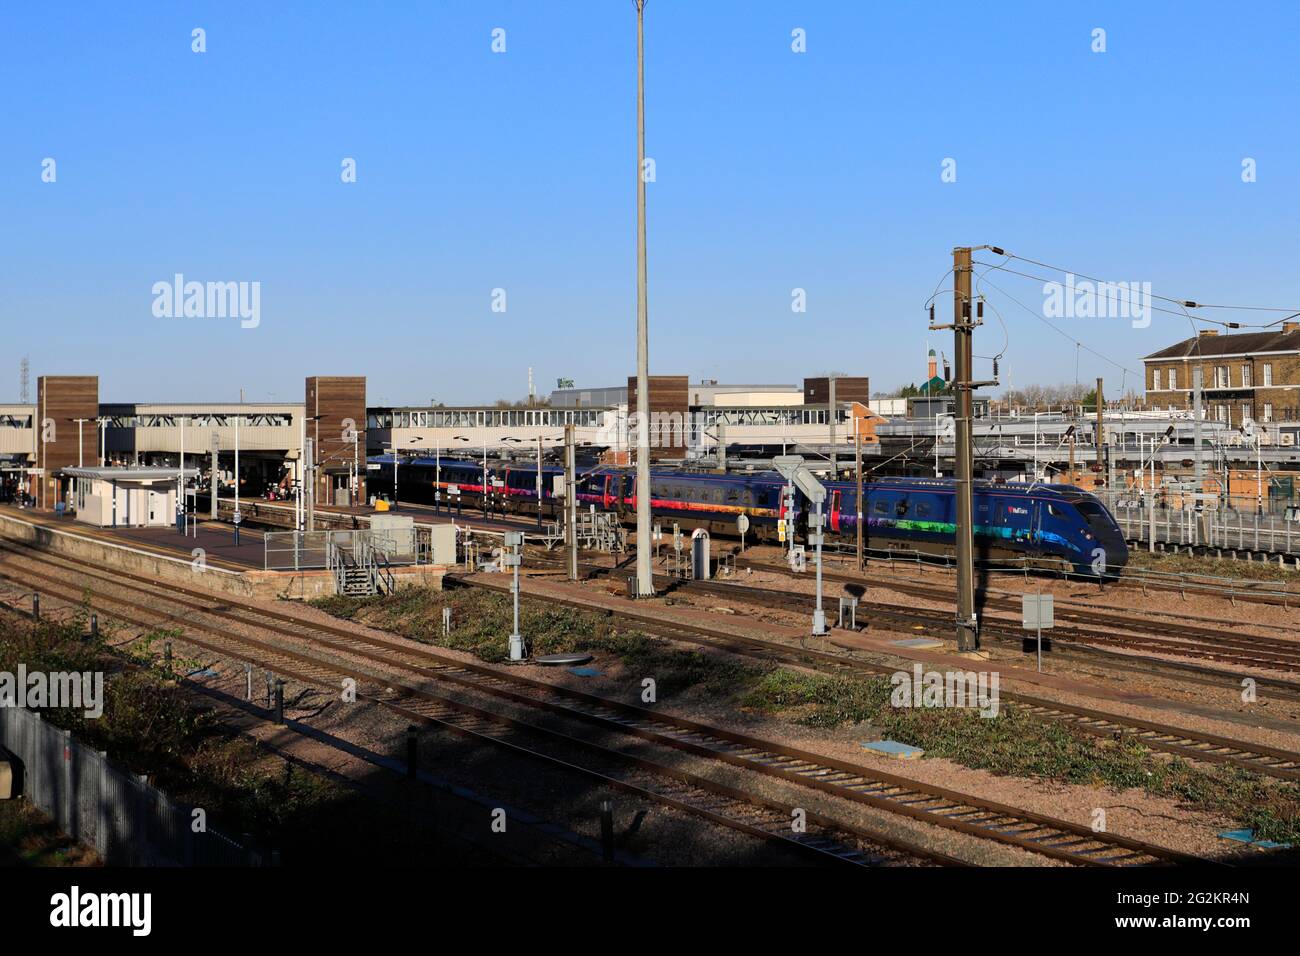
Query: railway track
(823, 841)
(1044, 835)
(1210, 748)
(1244, 590)
(1176, 640)
(1179, 640)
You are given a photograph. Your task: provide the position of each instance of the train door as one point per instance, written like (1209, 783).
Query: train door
(835, 512)
(1035, 527)
(155, 505)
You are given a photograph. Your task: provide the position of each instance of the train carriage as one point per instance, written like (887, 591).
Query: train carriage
(1048, 524)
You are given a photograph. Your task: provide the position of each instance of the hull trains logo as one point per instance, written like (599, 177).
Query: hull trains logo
(179, 299)
(1098, 300)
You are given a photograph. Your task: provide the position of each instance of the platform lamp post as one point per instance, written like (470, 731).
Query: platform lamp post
(102, 422)
(80, 422)
(538, 483)
(485, 470)
(180, 480)
(513, 441)
(238, 517)
(307, 479)
(393, 444)
(467, 441)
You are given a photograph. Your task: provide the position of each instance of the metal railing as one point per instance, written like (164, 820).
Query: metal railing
(126, 819)
(916, 561)
(1146, 519)
(312, 550)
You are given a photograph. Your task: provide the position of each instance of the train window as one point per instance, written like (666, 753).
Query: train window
(922, 509)
(900, 507)
(1054, 511)
(881, 508)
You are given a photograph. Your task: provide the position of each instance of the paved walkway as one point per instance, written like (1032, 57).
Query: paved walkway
(216, 540)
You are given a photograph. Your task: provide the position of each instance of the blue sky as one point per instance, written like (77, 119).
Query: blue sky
(477, 171)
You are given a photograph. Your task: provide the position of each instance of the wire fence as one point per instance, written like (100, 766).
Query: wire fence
(312, 550)
(917, 561)
(1147, 519)
(127, 820)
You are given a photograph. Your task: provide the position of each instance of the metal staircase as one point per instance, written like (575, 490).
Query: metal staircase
(360, 570)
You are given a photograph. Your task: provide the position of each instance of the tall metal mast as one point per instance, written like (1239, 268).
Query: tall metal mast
(963, 332)
(644, 576)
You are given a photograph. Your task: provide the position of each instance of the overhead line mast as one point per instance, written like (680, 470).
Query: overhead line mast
(963, 386)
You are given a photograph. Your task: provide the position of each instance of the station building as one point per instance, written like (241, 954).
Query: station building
(278, 444)
(688, 421)
(1251, 375)
(328, 436)
(119, 497)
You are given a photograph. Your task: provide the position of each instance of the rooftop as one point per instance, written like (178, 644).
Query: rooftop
(1285, 339)
(138, 474)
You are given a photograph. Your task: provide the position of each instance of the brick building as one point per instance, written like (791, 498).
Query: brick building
(1250, 375)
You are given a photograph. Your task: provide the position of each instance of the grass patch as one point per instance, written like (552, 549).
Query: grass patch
(482, 621)
(1214, 567)
(152, 724)
(1012, 744)
(1018, 744)
(30, 838)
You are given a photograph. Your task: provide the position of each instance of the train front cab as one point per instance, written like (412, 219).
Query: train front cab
(1106, 536)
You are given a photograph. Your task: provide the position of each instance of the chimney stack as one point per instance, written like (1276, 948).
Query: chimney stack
(1208, 333)
(1290, 327)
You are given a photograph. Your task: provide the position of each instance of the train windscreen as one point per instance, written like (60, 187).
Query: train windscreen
(1092, 510)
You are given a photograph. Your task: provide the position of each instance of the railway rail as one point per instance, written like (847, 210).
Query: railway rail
(1168, 638)
(1059, 839)
(1196, 745)
(824, 840)
(1205, 643)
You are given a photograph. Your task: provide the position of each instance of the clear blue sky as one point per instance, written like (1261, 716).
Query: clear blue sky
(477, 171)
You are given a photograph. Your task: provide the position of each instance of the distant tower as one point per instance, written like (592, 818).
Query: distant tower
(532, 392)
(25, 381)
(934, 367)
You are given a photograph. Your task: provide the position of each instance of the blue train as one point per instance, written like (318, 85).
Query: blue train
(1053, 524)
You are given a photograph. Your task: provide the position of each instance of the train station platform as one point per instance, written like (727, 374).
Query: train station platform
(280, 515)
(210, 560)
